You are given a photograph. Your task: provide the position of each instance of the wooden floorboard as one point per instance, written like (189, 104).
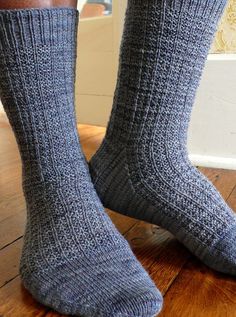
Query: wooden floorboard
(224, 180)
(160, 253)
(9, 264)
(200, 292)
(190, 288)
(232, 199)
(15, 301)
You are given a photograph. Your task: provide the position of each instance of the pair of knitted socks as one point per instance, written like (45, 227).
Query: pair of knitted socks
(74, 260)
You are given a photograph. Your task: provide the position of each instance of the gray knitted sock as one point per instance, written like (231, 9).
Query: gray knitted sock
(142, 168)
(74, 260)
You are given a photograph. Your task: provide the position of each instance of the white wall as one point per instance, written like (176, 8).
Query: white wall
(98, 42)
(81, 3)
(212, 135)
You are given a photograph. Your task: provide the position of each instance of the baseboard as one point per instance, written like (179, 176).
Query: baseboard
(213, 161)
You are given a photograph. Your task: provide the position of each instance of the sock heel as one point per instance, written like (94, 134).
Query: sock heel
(110, 175)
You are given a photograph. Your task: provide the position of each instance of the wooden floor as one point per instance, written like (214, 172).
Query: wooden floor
(190, 289)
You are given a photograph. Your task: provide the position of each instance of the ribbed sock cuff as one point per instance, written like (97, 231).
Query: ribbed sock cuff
(211, 9)
(29, 27)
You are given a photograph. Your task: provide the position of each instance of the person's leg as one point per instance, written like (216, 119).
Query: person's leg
(73, 260)
(142, 167)
(26, 4)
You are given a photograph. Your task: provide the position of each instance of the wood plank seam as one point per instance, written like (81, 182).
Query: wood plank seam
(8, 244)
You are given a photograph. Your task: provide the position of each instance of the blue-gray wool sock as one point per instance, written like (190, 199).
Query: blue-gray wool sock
(142, 167)
(74, 260)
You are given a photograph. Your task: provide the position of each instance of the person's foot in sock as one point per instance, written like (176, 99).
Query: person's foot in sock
(142, 168)
(74, 260)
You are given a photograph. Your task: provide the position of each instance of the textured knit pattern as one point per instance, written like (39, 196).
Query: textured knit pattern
(74, 260)
(142, 167)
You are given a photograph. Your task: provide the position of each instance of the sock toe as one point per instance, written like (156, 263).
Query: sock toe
(148, 304)
(120, 288)
(225, 253)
